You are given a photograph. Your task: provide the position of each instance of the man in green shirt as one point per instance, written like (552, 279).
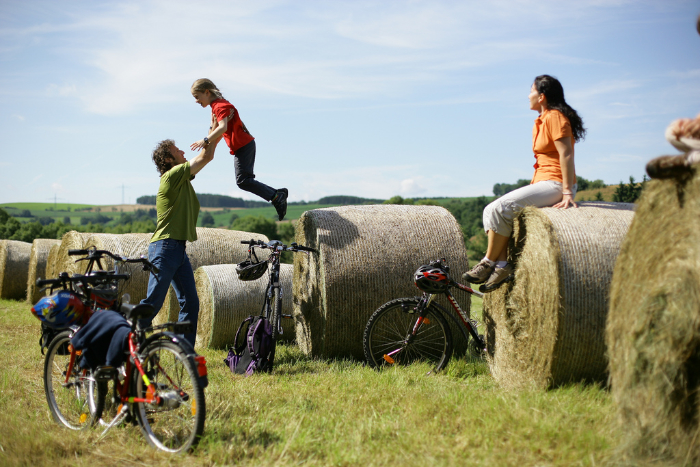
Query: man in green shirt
(178, 208)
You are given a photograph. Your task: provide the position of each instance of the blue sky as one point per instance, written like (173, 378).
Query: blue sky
(366, 98)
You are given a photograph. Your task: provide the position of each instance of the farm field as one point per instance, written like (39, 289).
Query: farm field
(322, 412)
(222, 216)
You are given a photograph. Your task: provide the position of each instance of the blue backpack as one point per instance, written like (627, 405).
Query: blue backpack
(257, 351)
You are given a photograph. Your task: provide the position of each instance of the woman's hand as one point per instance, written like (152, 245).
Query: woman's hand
(566, 201)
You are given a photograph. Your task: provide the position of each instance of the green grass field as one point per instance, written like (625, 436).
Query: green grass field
(322, 412)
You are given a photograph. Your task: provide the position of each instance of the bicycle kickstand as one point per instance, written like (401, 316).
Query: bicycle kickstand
(117, 420)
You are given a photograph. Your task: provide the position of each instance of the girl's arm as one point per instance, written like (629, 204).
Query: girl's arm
(568, 173)
(214, 133)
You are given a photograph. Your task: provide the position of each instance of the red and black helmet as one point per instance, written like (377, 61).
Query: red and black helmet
(432, 279)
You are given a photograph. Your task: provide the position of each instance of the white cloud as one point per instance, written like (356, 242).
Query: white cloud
(410, 188)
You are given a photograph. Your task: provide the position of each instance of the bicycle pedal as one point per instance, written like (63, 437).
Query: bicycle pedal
(287, 316)
(105, 373)
(389, 360)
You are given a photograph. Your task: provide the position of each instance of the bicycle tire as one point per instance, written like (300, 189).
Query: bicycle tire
(177, 425)
(68, 402)
(389, 327)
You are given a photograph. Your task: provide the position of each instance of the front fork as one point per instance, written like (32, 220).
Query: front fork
(422, 310)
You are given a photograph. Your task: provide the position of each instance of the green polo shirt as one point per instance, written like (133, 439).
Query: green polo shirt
(177, 205)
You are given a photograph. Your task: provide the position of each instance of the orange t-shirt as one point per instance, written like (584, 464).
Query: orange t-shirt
(549, 127)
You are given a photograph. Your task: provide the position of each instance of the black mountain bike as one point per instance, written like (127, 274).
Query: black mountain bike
(272, 305)
(415, 329)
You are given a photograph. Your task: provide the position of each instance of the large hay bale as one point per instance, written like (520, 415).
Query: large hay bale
(213, 246)
(71, 240)
(225, 301)
(130, 245)
(51, 261)
(547, 327)
(653, 328)
(37, 266)
(14, 269)
(366, 257)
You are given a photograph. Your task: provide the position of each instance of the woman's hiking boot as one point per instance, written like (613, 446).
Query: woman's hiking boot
(498, 277)
(479, 273)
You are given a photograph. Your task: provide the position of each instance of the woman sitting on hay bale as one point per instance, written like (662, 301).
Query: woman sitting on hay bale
(553, 184)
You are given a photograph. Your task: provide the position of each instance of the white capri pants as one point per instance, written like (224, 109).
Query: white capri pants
(499, 215)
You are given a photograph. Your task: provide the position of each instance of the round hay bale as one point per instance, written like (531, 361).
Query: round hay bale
(51, 261)
(37, 266)
(225, 301)
(130, 245)
(213, 246)
(71, 240)
(366, 257)
(653, 327)
(547, 327)
(14, 269)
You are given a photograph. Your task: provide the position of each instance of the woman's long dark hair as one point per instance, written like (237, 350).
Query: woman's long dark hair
(554, 92)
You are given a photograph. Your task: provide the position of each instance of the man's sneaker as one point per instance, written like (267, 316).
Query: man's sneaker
(499, 276)
(479, 273)
(280, 202)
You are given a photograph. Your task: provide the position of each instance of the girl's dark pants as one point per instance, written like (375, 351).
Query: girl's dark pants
(243, 160)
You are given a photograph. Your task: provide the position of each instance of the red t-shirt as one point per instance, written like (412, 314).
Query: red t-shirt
(236, 134)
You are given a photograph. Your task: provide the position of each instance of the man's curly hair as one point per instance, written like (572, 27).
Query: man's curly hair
(162, 157)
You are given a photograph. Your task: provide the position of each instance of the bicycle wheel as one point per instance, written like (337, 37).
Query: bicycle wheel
(68, 399)
(388, 336)
(177, 423)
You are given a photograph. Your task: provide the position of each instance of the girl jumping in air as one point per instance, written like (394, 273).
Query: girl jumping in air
(238, 139)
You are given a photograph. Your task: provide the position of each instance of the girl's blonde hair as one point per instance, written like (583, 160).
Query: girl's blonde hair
(204, 84)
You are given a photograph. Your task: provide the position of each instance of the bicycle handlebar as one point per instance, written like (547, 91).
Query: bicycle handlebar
(64, 279)
(277, 245)
(93, 254)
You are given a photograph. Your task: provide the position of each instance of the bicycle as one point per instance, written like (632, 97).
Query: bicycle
(160, 385)
(272, 304)
(407, 330)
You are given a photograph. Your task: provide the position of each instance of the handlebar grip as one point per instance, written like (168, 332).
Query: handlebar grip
(306, 248)
(77, 252)
(43, 282)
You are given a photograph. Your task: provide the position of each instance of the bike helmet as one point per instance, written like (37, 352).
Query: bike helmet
(60, 310)
(431, 279)
(251, 269)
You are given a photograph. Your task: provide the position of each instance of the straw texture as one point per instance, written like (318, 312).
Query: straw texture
(130, 245)
(213, 246)
(37, 266)
(653, 328)
(366, 256)
(14, 268)
(547, 327)
(225, 301)
(51, 261)
(71, 240)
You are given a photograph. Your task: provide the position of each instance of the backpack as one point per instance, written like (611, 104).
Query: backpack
(256, 352)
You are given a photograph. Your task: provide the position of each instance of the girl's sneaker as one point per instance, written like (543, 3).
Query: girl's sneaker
(280, 202)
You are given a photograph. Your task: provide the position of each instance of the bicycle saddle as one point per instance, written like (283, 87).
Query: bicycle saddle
(139, 311)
